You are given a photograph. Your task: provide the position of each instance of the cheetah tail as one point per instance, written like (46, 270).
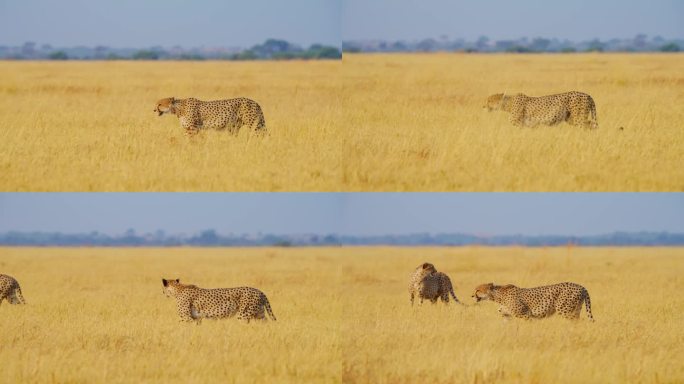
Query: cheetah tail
(267, 305)
(451, 290)
(594, 121)
(587, 303)
(20, 297)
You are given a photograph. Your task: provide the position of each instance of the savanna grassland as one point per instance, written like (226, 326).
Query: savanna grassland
(638, 334)
(418, 123)
(90, 126)
(400, 122)
(98, 315)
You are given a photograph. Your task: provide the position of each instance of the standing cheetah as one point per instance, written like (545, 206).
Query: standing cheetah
(229, 114)
(576, 108)
(195, 303)
(426, 283)
(10, 290)
(538, 302)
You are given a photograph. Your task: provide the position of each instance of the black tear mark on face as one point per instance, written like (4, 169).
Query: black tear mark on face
(165, 282)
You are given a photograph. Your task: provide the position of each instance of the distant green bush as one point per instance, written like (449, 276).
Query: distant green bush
(59, 55)
(145, 55)
(670, 47)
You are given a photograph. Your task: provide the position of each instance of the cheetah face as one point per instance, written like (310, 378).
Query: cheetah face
(493, 102)
(165, 106)
(170, 287)
(483, 292)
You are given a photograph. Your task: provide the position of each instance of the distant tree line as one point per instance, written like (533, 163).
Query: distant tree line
(271, 49)
(210, 238)
(639, 43)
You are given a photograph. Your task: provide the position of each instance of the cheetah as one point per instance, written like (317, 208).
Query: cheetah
(576, 108)
(10, 290)
(427, 283)
(195, 303)
(230, 114)
(535, 303)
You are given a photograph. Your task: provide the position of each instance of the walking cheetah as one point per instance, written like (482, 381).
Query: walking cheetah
(229, 114)
(538, 302)
(10, 290)
(427, 283)
(195, 303)
(576, 108)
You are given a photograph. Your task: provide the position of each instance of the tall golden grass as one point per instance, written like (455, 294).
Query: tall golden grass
(637, 336)
(367, 123)
(89, 126)
(99, 316)
(418, 123)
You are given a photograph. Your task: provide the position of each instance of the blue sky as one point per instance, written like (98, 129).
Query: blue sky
(506, 19)
(344, 213)
(189, 23)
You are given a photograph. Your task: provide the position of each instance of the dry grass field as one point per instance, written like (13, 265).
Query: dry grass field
(638, 335)
(89, 126)
(99, 316)
(368, 123)
(418, 123)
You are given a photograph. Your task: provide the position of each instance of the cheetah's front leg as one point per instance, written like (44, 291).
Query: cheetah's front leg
(185, 312)
(191, 127)
(191, 131)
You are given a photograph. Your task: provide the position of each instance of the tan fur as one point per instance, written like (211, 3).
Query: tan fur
(429, 284)
(230, 114)
(10, 290)
(566, 299)
(575, 108)
(194, 303)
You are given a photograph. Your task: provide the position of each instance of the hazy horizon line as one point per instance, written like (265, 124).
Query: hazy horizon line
(136, 232)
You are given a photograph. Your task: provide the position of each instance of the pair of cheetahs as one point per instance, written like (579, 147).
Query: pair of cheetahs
(193, 303)
(575, 108)
(566, 299)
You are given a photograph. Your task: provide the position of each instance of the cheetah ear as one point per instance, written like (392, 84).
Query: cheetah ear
(173, 99)
(177, 281)
(165, 282)
(426, 265)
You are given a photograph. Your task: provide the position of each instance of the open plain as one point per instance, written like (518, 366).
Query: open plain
(418, 123)
(98, 315)
(90, 126)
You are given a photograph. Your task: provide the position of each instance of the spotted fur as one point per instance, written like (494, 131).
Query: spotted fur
(566, 299)
(575, 108)
(429, 284)
(195, 303)
(230, 114)
(10, 290)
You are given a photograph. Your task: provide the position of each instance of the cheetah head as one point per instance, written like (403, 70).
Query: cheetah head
(483, 292)
(493, 102)
(167, 105)
(170, 287)
(428, 267)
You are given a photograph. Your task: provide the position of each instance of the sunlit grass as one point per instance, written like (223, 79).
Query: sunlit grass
(637, 336)
(99, 316)
(89, 126)
(417, 123)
